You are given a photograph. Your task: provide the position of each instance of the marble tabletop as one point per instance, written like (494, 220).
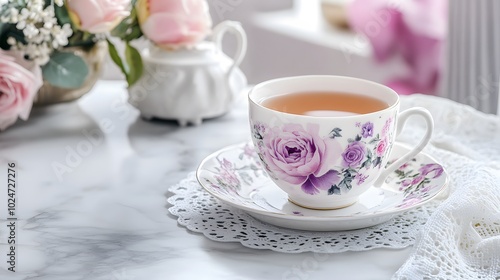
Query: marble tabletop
(92, 180)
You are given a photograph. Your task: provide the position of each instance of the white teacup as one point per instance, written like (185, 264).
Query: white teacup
(327, 162)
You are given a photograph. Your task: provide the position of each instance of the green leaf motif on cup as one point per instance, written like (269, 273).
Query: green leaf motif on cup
(335, 133)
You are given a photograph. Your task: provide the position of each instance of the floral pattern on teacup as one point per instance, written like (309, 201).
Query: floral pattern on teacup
(298, 155)
(417, 184)
(229, 174)
(236, 175)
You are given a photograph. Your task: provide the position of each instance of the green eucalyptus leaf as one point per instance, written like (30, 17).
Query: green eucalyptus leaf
(135, 32)
(113, 53)
(62, 15)
(65, 70)
(120, 29)
(129, 28)
(134, 61)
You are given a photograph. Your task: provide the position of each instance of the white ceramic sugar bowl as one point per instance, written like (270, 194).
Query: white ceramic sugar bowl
(189, 85)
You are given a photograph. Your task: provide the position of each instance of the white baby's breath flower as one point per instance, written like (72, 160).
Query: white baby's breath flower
(14, 15)
(24, 14)
(59, 3)
(48, 25)
(21, 25)
(41, 30)
(67, 29)
(30, 31)
(11, 41)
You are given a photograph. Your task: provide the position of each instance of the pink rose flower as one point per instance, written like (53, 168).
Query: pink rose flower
(381, 147)
(20, 81)
(97, 16)
(174, 23)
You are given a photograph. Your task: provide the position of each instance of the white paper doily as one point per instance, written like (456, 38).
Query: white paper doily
(200, 212)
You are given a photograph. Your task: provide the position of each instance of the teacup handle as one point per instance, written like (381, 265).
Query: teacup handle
(402, 118)
(234, 27)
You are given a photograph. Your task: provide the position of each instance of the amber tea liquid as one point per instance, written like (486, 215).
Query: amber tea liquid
(324, 103)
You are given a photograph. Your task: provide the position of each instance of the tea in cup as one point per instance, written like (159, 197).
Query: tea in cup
(325, 140)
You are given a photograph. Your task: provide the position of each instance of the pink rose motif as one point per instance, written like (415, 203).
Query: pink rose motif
(97, 16)
(174, 23)
(20, 81)
(386, 127)
(381, 147)
(435, 170)
(227, 173)
(300, 157)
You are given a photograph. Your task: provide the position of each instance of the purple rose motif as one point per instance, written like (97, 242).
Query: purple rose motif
(433, 168)
(417, 180)
(367, 130)
(354, 154)
(406, 182)
(313, 184)
(299, 156)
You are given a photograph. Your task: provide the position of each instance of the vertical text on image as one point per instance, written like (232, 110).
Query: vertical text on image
(11, 216)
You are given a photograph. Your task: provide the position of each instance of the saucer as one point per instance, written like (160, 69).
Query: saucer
(236, 176)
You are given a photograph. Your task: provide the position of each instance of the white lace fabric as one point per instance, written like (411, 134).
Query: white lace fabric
(461, 239)
(456, 237)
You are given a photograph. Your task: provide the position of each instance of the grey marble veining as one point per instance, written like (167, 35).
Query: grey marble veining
(102, 213)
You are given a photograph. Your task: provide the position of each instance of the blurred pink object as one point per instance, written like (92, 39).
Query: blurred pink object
(174, 23)
(19, 82)
(415, 29)
(97, 16)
